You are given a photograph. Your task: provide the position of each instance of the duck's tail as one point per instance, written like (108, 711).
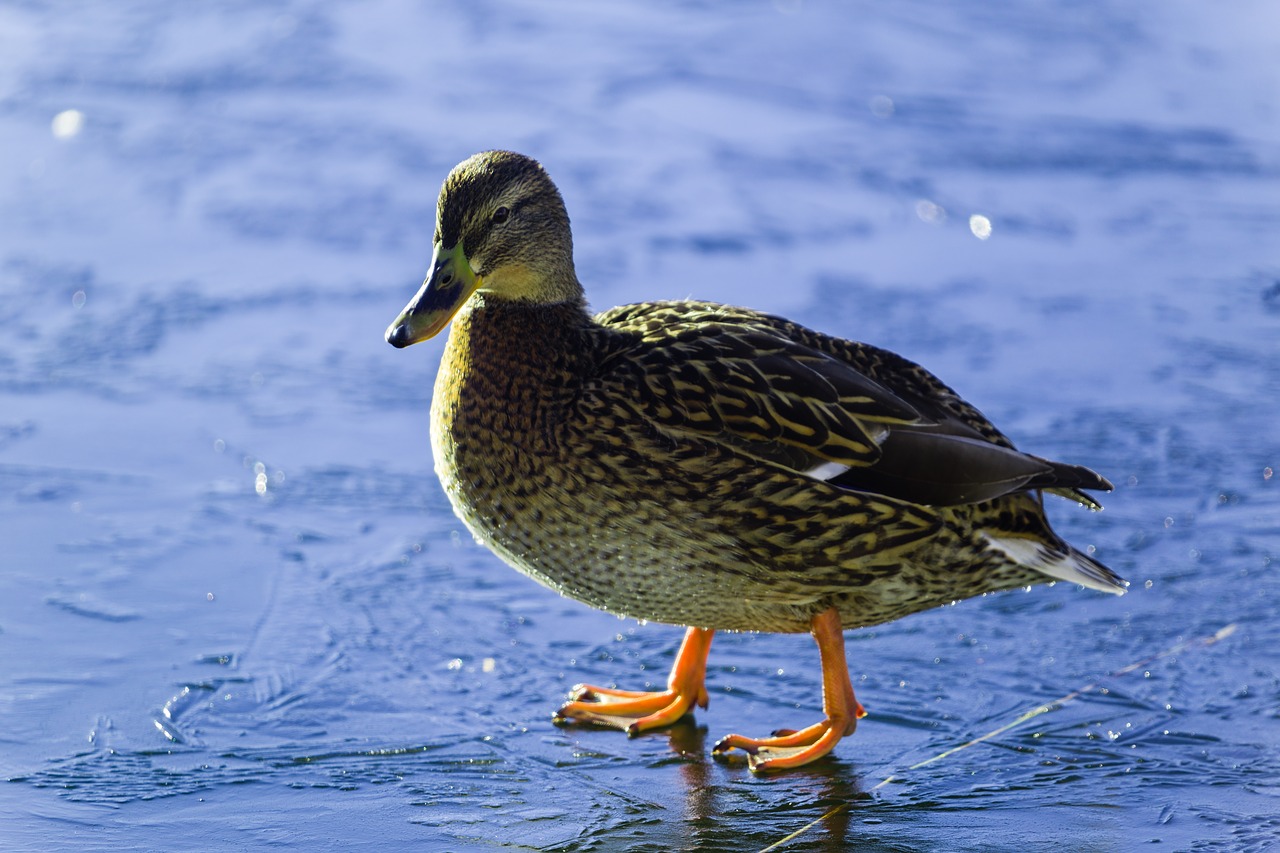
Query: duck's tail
(1069, 565)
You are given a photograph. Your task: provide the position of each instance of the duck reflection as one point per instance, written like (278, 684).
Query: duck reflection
(727, 808)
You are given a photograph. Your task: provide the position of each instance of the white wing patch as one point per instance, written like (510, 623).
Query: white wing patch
(826, 471)
(1072, 567)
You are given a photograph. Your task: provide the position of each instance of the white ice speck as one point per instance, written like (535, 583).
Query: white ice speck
(67, 124)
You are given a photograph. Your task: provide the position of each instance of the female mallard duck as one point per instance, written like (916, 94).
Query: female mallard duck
(708, 466)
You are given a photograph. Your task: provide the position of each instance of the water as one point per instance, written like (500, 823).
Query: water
(235, 610)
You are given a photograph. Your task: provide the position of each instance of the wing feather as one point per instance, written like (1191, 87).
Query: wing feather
(719, 374)
(857, 417)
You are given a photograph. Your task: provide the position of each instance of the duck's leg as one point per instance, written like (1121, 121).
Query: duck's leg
(788, 748)
(638, 711)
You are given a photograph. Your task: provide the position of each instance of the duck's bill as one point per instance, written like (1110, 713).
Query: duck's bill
(446, 289)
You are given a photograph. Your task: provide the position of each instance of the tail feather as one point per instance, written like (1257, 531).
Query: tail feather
(1069, 481)
(1078, 496)
(1067, 476)
(1071, 565)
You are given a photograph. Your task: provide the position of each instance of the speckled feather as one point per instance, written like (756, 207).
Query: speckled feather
(652, 461)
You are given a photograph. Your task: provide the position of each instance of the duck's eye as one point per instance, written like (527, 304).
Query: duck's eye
(501, 215)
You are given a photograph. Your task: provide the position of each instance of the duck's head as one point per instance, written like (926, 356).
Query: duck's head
(502, 231)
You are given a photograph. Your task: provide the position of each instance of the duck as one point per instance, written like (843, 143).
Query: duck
(709, 466)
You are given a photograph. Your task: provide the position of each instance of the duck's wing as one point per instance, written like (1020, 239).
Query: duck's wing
(854, 416)
(705, 370)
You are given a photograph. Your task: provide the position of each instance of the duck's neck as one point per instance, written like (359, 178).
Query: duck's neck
(499, 335)
(505, 364)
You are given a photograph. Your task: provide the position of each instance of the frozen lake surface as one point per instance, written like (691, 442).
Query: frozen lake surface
(236, 611)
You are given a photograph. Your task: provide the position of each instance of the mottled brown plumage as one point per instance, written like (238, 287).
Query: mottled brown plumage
(706, 465)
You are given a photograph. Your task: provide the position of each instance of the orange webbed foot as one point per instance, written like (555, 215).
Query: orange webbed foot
(630, 710)
(638, 711)
(788, 748)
